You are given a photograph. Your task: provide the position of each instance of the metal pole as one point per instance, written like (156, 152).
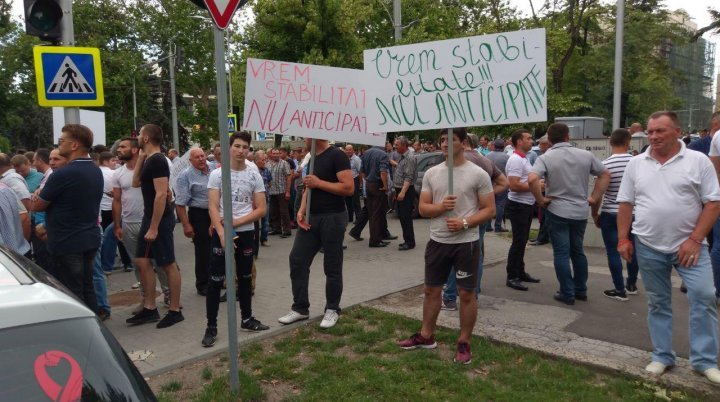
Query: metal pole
(173, 101)
(450, 160)
(219, 40)
(134, 107)
(230, 100)
(311, 170)
(397, 20)
(617, 87)
(690, 118)
(72, 114)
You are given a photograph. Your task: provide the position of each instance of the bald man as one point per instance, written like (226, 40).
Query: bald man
(192, 209)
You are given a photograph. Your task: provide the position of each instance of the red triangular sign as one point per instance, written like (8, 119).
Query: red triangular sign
(222, 11)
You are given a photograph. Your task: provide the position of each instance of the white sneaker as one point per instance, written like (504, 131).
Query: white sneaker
(292, 317)
(135, 285)
(712, 374)
(330, 319)
(656, 368)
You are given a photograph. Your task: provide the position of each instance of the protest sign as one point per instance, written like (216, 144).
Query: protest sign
(307, 101)
(474, 81)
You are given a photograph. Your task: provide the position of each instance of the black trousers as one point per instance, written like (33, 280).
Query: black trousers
(327, 230)
(520, 218)
(75, 272)
(200, 222)
(353, 202)
(377, 208)
(404, 209)
(243, 268)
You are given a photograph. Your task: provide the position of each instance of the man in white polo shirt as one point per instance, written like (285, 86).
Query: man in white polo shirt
(676, 197)
(714, 155)
(519, 208)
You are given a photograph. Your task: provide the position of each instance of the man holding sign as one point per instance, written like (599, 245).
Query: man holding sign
(330, 181)
(451, 243)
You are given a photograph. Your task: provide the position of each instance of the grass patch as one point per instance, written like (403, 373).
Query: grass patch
(172, 386)
(358, 360)
(206, 373)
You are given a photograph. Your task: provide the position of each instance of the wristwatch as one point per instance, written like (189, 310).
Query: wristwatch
(465, 224)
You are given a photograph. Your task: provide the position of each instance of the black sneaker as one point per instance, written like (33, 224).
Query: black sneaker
(616, 294)
(253, 325)
(170, 319)
(144, 316)
(631, 289)
(210, 337)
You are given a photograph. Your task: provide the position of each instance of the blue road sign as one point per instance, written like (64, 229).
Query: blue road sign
(68, 76)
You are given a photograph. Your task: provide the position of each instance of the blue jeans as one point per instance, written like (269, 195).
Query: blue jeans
(566, 236)
(99, 279)
(500, 201)
(656, 268)
(450, 292)
(608, 227)
(265, 221)
(715, 257)
(108, 247)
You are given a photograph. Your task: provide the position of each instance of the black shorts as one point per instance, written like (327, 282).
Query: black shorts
(162, 250)
(440, 258)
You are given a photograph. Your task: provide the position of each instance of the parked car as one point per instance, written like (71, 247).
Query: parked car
(424, 162)
(55, 348)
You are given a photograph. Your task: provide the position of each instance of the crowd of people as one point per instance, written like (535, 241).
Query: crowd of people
(72, 208)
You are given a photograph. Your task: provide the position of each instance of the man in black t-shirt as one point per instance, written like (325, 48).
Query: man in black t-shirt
(331, 181)
(155, 239)
(71, 197)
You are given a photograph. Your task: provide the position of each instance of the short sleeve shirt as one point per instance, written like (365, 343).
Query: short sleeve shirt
(279, 171)
(715, 145)
(16, 183)
(73, 194)
(518, 166)
(33, 180)
(470, 182)
(668, 198)
(567, 171)
(191, 188)
(131, 198)
(243, 184)
(327, 165)
(486, 164)
(11, 233)
(615, 164)
(155, 167)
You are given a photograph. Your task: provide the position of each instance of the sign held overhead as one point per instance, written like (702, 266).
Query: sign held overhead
(307, 101)
(473, 81)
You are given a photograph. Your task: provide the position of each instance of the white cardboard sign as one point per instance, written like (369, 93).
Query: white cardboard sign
(474, 81)
(95, 121)
(307, 101)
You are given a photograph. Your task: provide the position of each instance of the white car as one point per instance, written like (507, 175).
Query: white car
(55, 348)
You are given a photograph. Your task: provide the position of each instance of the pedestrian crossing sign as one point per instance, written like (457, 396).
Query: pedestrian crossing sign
(232, 123)
(68, 76)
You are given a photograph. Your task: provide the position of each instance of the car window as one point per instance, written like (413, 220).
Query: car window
(71, 360)
(428, 162)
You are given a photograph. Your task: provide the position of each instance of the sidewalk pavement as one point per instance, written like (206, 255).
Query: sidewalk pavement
(605, 333)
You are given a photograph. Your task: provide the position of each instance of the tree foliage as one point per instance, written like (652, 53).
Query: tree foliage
(133, 35)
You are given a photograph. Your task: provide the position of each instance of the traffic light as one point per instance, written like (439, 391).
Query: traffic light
(43, 19)
(200, 3)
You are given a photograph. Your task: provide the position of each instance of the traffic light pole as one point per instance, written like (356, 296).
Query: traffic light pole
(72, 114)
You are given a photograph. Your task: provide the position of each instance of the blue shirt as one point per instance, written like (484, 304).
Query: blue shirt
(73, 194)
(191, 188)
(33, 180)
(374, 161)
(701, 144)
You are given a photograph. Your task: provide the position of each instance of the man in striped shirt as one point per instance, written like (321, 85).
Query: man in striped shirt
(607, 219)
